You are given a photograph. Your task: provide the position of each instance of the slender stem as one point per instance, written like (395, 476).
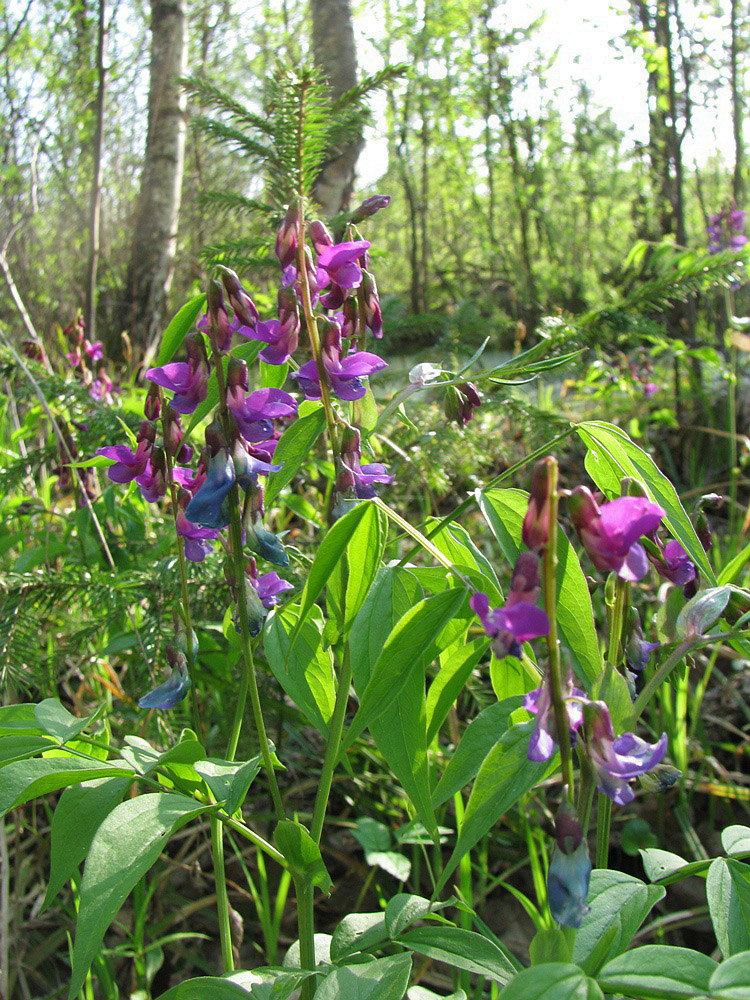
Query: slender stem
(254, 838)
(659, 676)
(585, 792)
(556, 683)
(471, 499)
(332, 749)
(616, 627)
(424, 542)
(603, 820)
(191, 653)
(306, 927)
(248, 680)
(222, 896)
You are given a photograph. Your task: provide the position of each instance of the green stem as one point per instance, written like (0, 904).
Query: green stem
(248, 680)
(585, 792)
(332, 748)
(191, 653)
(222, 896)
(306, 927)
(616, 627)
(556, 681)
(471, 499)
(660, 675)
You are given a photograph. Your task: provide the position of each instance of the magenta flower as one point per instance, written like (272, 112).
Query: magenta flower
(198, 541)
(269, 586)
(187, 379)
(255, 413)
(128, 463)
(282, 334)
(345, 375)
(674, 564)
(340, 262)
(286, 238)
(524, 584)
(95, 351)
(460, 402)
(508, 627)
(153, 480)
(370, 206)
(539, 703)
(353, 476)
(616, 761)
(610, 533)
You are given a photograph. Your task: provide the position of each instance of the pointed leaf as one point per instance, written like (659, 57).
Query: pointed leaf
(456, 667)
(382, 979)
(28, 779)
(731, 981)
(294, 447)
(351, 579)
(228, 780)
(302, 855)
(554, 981)
(58, 722)
(394, 592)
(728, 894)
(658, 972)
(305, 669)
(125, 846)
(461, 949)
(179, 327)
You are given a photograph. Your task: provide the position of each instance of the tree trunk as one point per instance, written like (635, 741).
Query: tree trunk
(153, 252)
(336, 56)
(96, 177)
(738, 179)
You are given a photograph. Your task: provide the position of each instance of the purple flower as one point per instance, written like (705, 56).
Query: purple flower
(245, 312)
(460, 402)
(674, 564)
(208, 507)
(269, 586)
(524, 584)
(535, 531)
(95, 351)
(539, 703)
(282, 334)
(510, 626)
(370, 206)
(569, 871)
(649, 389)
(198, 541)
(128, 463)
(356, 477)
(187, 379)
(172, 691)
(286, 238)
(255, 413)
(610, 533)
(616, 761)
(153, 480)
(340, 262)
(252, 460)
(638, 651)
(345, 375)
(373, 315)
(725, 230)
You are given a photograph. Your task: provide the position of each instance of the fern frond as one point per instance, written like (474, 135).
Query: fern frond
(207, 95)
(219, 132)
(230, 201)
(368, 85)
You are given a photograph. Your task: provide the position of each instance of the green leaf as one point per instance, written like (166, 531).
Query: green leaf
(146, 759)
(505, 775)
(612, 455)
(619, 903)
(736, 839)
(461, 949)
(732, 569)
(412, 644)
(728, 894)
(457, 665)
(22, 746)
(125, 846)
(28, 779)
(478, 739)
(305, 669)
(658, 972)
(405, 908)
(179, 327)
(392, 594)
(58, 722)
(504, 511)
(375, 839)
(350, 582)
(18, 718)
(382, 979)
(358, 932)
(401, 735)
(245, 352)
(330, 551)
(731, 981)
(273, 376)
(294, 447)
(549, 945)
(228, 780)
(554, 981)
(303, 855)
(664, 867)
(207, 988)
(78, 815)
(455, 543)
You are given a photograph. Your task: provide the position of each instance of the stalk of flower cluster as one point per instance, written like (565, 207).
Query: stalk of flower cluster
(616, 626)
(248, 681)
(553, 647)
(182, 562)
(335, 731)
